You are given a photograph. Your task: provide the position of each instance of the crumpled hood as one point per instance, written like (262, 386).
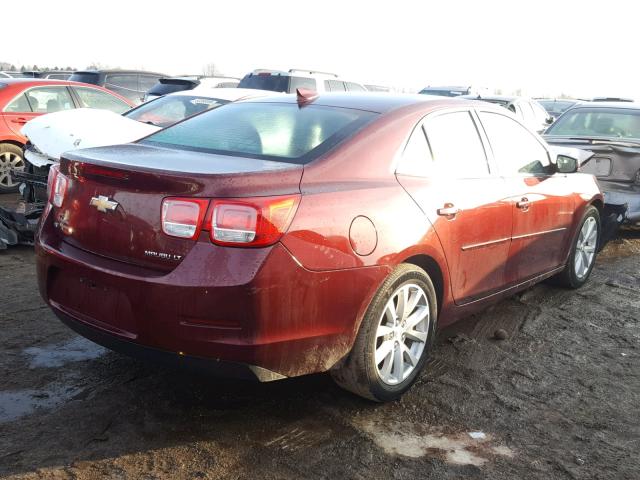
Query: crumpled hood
(59, 132)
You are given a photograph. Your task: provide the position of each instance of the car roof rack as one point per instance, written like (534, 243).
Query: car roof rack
(306, 70)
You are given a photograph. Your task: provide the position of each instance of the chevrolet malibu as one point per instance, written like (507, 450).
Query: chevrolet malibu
(283, 236)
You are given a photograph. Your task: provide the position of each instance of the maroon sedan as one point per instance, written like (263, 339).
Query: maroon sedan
(280, 237)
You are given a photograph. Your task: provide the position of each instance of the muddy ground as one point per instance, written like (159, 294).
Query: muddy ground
(560, 398)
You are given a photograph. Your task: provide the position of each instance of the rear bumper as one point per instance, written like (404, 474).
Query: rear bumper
(171, 359)
(256, 307)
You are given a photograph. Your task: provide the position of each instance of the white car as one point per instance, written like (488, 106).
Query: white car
(51, 135)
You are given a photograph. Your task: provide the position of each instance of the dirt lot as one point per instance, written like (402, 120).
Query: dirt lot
(560, 398)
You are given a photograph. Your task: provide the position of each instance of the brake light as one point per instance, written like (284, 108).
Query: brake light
(182, 217)
(53, 173)
(57, 185)
(252, 222)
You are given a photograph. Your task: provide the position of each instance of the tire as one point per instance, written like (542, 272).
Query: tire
(384, 381)
(574, 274)
(11, 157)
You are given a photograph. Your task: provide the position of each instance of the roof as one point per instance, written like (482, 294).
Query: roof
(379, 102)
(496, 98)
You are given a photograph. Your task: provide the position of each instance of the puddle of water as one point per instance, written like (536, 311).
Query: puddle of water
(59, 354)
(19, 403)
(459, 449)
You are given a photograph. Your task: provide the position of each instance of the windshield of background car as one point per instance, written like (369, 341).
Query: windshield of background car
(168, 110)
(555, 107)
(598, 122)
(86, 77)
(271, 131)
(274, 83)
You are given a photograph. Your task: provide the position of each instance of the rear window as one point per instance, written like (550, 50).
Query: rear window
(85, 77)
(274, 83)
(598, 122)
(270, 131)
(168, 110)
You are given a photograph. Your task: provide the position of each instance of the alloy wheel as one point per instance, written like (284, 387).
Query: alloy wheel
(586, 247)
(402, 334)
(9, 161)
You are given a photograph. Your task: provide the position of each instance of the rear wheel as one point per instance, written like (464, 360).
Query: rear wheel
(10, 159)
(583, 252)
(395, 337)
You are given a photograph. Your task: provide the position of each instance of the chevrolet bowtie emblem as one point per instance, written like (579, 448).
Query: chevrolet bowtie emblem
(103, 204)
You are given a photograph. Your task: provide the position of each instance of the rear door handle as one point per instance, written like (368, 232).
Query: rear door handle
(20, 120)
(449, 210)
(523, 204)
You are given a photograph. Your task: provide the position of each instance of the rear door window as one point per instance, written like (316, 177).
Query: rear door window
(455, 145)
(334, 86)
(94, 98)
(516, 150)
(124, 84)
(303, 82)
(354, 87)
(416, 158)
(49, 99)
(18, 104)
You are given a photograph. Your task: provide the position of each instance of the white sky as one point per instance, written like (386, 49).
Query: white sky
(583, 48)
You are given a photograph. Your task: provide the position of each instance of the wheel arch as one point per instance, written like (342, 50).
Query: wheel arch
(433, 269)
(12, 142)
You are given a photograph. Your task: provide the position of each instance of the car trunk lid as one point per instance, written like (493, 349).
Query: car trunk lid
(113, 202)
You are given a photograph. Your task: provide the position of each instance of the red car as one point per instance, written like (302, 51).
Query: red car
(22, 99)
(285, 236)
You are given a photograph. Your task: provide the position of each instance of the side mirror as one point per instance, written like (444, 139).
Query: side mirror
(550, 120)
(565, 164)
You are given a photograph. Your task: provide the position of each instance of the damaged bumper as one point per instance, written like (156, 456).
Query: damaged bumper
(624, 197)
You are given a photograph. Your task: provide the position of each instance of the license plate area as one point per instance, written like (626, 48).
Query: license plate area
(93, 300)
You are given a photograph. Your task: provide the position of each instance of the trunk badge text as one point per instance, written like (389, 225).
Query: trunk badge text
(162, 255)
(103, 204)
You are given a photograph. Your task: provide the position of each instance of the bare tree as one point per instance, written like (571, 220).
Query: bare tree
(210, 70)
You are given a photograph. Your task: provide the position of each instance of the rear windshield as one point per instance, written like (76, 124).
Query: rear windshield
(598, 122)
(85, 77)
(160, 89)
(274, 83)
(168, 110)
(271, 131)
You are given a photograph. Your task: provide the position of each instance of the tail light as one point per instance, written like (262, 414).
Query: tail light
(57, 185)
(251, 222)
(182, 217)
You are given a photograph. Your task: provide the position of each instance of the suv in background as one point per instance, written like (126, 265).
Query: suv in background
(288, 82)
(179, 84)
(131, 84)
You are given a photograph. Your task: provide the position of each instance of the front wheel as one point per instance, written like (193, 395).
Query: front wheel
(395, 337)
(583, 251)
(10, 159)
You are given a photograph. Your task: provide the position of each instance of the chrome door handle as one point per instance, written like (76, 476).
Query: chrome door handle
(449, 210)
(523, 204)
